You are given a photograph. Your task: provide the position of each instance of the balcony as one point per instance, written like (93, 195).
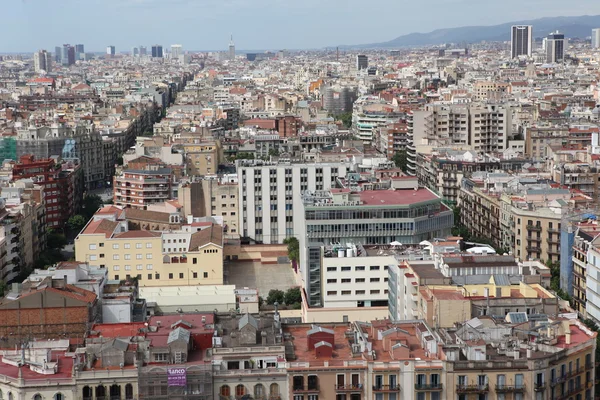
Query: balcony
(533, 249)
(510, 388)
(553, 241)
(535, 239)
(472, 389)
(534, 228)
(386, 388)
(306, 389)
(569, 393)
(539, 386)
(348, 388)
(428, 386)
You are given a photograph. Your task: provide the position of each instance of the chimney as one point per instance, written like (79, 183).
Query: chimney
(64, 281)
(263, 336)
(568, 337)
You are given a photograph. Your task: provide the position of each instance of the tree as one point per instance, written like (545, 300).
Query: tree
(2, 288)
(275, 295)
(56, 241)
(91, 204)
(76, 222)
(401, 160)
(346, 118)
(293, 296)
(120, 160)
(293, 248)
(273, 153)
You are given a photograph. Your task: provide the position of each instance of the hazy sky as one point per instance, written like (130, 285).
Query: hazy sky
(28, 25)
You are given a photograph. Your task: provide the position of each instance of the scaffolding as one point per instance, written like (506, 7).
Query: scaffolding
(155, 382)
(8, 148)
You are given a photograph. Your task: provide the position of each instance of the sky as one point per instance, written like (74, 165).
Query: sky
(29, 25)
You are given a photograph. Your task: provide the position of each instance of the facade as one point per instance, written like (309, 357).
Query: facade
(407, 216)
(68, 55)
(142, 188)
(42, 61)
(584, 236)
(555, 47)
(339, 99)
(521, 43)
(110, 51)
(190, 256)
(362, 62)
(231, 53)
(275, 189)
(157, 51)
(62, 183)
(596, 38)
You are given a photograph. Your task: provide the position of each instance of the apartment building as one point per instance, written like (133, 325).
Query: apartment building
(273, 190)
(62, 182)
(408, 215)
(370, 114)
(190, 256)
(391, 138)
(503, 358)
(201, 156)
(583, 237)
(140, 188)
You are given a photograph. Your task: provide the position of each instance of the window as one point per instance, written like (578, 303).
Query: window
(128, 268)
(115, 256)
(346, 268)
(170, 275)
(139, 267)
(332, 293)
(331, 269)
(138, 245)
(149, 276)
(360, 292)
(92, 247)
(346, 292)
(156, 276)
(346, 280)
(194, 260)
(206, 274)
(127, 246)
(375, 291)
(127, 256)
(115, 246)
(115, 267)
(139, 256)
(149, 256)
(148, 245)
(374, 280)
(359, 268)
(149, 266)
(160, 357)
(359, 280)
(331, 280)
(116, 277)
(94, 257)
(101, 244)
(195, 275)
(181, 275)
(374, 267)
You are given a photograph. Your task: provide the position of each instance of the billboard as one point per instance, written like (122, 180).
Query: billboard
(176, 377)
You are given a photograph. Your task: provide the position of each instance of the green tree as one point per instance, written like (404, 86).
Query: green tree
(275, 295)
(56, 241)
(120, 160)
(401, 160)
(346, 118)
(293, 247)
(293, 296)
(244, 156)
(273, 153)
(2, 288)
(91, 204)
(76, 222)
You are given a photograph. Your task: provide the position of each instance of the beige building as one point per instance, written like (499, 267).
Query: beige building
(201, 156)
(190, 256)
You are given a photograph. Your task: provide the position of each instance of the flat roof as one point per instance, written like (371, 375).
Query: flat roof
(396, 197)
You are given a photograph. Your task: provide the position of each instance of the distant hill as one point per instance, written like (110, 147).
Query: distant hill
(572, 27)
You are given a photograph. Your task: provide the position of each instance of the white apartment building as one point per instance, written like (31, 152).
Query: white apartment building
(592, 282)
(352, 278)
(270, 193)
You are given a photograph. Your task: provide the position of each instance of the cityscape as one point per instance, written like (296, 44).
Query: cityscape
(356, 222)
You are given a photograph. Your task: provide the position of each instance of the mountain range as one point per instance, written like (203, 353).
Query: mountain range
(572, 27)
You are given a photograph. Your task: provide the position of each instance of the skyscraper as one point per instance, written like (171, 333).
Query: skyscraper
(362, 62)
(135, 51)
(596, 38)
(111, 51)
(143, 51)
(555, 47)
(68, 55)
(42, 61)
(231, 49)
(176, 51)
(157, 51)
(521, 40)
(58, 54)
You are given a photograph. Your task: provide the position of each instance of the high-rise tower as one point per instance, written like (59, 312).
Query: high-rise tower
(231, 49)
(521, 40)
(555, 47)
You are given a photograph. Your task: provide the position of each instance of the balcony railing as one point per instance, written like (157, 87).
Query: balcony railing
(306, 389)
(386, 388)
(510, 388)
(534, 228)
(472, 388)
(428, 386)
(349, 388)
(539, 386)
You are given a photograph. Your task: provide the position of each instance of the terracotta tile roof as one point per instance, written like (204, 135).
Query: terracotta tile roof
(214, 235)
(137, 234)
(103, 226)
(145, 215)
